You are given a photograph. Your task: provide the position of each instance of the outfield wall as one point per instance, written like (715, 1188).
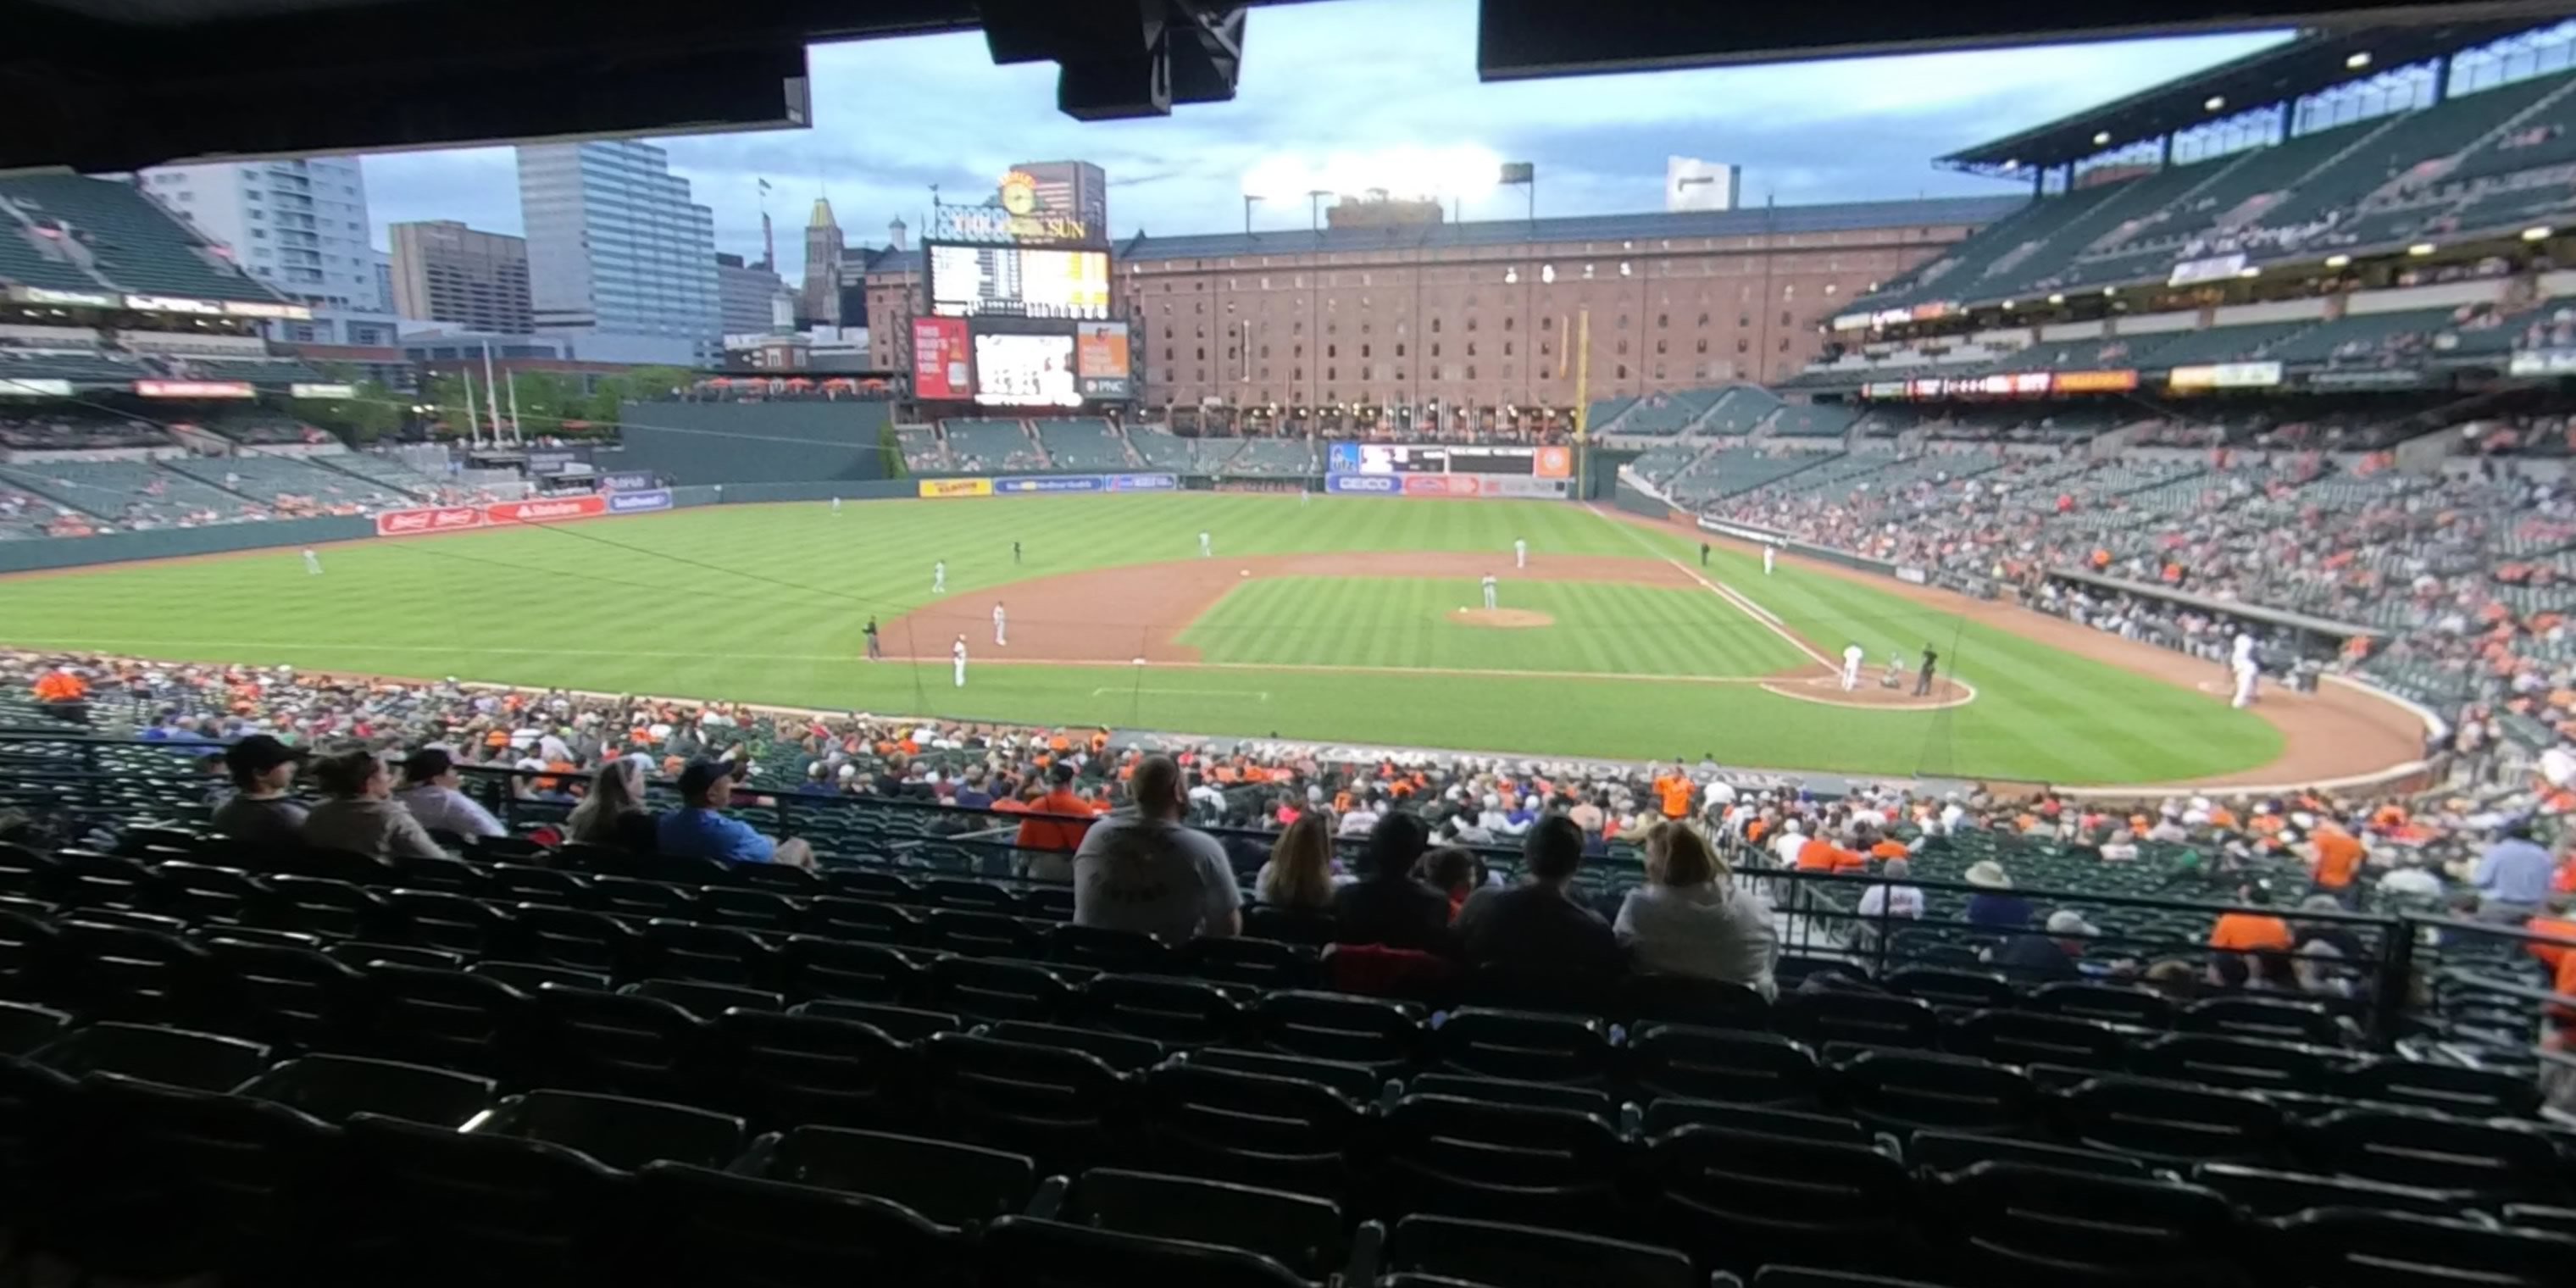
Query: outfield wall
(41, 553)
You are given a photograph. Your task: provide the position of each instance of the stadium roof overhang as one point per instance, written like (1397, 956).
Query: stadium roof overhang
(98, 85)
(2316, 61)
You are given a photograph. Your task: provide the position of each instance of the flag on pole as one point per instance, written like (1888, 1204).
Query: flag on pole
(764, 185)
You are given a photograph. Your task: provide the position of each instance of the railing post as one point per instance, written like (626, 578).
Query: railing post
(2395, 986)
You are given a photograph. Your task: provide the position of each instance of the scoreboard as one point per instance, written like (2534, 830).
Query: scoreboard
(1443, 458)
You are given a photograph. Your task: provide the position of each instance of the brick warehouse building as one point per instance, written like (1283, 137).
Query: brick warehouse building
(1472, 322)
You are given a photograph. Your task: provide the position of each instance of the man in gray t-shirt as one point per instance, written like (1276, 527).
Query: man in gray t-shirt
(1143, 870)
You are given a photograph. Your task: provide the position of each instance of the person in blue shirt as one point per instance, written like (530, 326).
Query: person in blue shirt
(697, 829)
(2512, 877)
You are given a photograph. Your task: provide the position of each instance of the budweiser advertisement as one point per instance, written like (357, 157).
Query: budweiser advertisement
(406, 523)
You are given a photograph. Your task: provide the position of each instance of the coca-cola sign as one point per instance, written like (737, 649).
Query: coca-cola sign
(406, 523)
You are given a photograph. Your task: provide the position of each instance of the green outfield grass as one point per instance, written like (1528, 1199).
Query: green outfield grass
(1605, 628)
(765, 604)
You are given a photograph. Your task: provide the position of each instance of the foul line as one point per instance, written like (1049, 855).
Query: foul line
(1739, 599)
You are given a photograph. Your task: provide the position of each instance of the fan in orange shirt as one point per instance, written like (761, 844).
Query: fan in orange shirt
(2339, 858)
(59, 685)
(1675, 792)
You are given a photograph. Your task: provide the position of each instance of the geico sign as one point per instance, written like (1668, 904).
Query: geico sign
(1382, 484)
(400, 523)
(578, 507)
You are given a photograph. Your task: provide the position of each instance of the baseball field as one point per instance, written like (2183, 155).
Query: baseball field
(1354, 619)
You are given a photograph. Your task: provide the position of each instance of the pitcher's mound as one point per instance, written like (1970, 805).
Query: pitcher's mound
(1501, 618)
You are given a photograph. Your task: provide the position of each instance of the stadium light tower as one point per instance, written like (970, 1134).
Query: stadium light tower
(1248, 199)
(1315, 208)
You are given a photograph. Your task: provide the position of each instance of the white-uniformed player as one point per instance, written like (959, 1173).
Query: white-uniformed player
(1493, 592)
(1520, 553)
(1853, 654)
(957, 652)
(312, 563)
(939, 577)
(1000, 626)
(1770, 555)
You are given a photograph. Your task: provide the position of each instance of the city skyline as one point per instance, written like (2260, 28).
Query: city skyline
(1852, 129)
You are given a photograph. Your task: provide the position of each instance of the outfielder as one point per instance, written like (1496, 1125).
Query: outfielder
(957, 651)
(312, 563)
(939, 577)
(1493, 594)
(836, 505)
(1000, 626)
(1207, 548)
(1520, 553)
(1770, 555)
(1853, 655)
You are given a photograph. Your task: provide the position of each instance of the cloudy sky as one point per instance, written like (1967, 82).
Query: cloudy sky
(893, 117)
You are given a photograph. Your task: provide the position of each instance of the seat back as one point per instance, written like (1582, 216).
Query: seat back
(1947, 986)
(953, 1185)
(1527, 1046)
(1102, 948)
(1868, 1019)
(335, 1088)
(2359, 1248)
(997, 990)
(1921, 1091)
(2405, 1147)
(865, 920)
(1521, 1256)
(2249, 1064)
(721, 954)
(2113, 1003)
(783, 1070)
(447, 1019)
(2169, 1122)
(2016, 1221)
(617, 1042)
(1299, 1231)
(2033, 1037)
(1029, 1252)
(1336, 1026)
(2261, 1017)
(1719, 1064)
(1061, 1106)
(1509, 1162)
(1181, 1012)
(1744, 1199)
(704, 1226)
(1257, 1128)
(2443, 1088)
(485, 1208)
(2262, 1191)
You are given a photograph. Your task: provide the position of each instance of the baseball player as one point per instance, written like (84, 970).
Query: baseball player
(836, 505)
(2241, 651)
(2248, 672)
(1493, 593)
(1207, 547)
(876, 650)
(312, 563)
(1923, 678)
(939, 577)
(1770, 556)
(1895, 673)
(1853, 655)
(1000, 626)
(957, 652)
(1520, 553)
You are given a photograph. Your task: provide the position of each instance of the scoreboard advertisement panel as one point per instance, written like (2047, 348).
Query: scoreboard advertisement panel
(1441, 458)
(1025, 371)
(1019, 282)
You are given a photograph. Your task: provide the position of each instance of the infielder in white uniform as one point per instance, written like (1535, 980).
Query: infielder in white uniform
(1853, 654)
(1000, 626)
(1493, 595)
(836, 505)
(312, 563)
(1520, 553)
(2241, 651)
(1207, 548)
(957, 651)
(2247, 673)
(1770, 555)
(939, 577)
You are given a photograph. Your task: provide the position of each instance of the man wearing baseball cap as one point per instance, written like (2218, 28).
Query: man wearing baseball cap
(2047, 957)
(699, 829)
(262, 768)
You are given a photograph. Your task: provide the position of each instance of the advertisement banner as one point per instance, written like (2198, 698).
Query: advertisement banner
(2225, 375)
(940, 488)
(638, 502)
(1441, 484)
(1144, 482)
(1912, 576)
(1100, 360)
(2543, 362)
(629, 481)
(1342, 458)
(2096, 382)
(1554, 463)
(405, 523)
(67, 299)
(1363, 484)
(1883, 389)
(547, 511)
(2217, 268)
(35, 389)
(193, 389)
(939, 357)
(1023, 486)
(301, 390)
(2389, 378)
(547, 462)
